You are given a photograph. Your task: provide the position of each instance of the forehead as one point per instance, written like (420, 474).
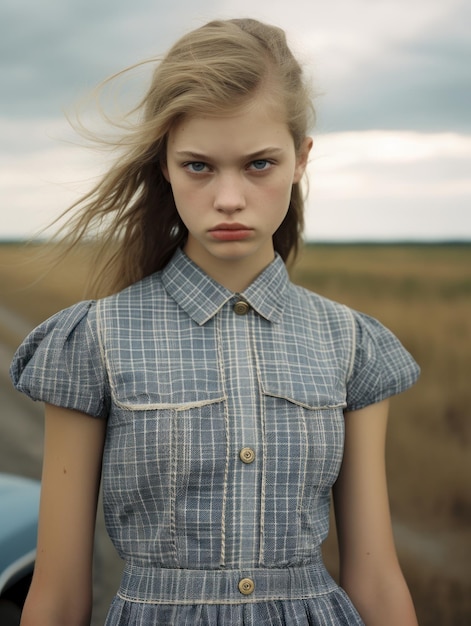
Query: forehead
(258, 121)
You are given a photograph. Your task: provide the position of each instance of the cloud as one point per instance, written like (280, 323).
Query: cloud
(390, 185)
(411, 71)
(382, 65)
(41, 173)
(363, 185)
(387, 64)
(53, 51)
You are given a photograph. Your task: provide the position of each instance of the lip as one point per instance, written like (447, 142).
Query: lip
(231, 231)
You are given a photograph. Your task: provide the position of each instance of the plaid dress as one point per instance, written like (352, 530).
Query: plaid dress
(225, 435)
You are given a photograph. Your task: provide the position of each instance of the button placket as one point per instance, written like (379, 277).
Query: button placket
(243, 504)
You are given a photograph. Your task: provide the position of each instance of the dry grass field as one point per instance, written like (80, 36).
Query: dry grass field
(423, 293)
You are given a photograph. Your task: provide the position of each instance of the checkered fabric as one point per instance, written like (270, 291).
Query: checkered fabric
(225, 436)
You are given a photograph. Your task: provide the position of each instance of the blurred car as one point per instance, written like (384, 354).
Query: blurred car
(19, 504)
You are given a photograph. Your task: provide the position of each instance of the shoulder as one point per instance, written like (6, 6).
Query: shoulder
(335, 317)
(59, 327)
(326, 314)
(377, 365)
(146, 289)
(60, 361)
(321, 330)
(133, 310)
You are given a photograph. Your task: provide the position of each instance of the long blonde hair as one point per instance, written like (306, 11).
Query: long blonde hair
(211, 70)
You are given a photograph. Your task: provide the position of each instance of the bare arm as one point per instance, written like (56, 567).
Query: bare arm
(369, 569)
(61, 590)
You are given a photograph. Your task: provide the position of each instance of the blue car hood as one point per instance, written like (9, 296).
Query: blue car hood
(19, 504)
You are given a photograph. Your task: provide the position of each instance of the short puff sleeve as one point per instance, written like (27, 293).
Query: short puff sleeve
(60, 362)
(382, 367)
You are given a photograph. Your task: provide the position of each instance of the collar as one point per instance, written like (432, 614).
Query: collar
(201, 297)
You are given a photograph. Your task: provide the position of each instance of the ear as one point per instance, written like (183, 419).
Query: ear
(302, 159)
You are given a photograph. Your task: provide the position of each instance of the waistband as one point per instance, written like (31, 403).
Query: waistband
(152, 585)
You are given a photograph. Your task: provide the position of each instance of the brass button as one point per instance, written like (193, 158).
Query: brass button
(247, 455)
(246, 586)
(241, 307)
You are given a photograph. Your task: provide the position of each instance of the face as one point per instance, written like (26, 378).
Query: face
(231, 178)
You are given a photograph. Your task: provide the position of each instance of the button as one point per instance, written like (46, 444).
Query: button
(241, 307)
(247, 455)
(246, 586)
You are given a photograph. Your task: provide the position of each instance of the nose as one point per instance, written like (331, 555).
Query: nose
(229, 194)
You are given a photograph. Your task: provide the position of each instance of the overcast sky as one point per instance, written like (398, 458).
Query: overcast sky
(392, 156)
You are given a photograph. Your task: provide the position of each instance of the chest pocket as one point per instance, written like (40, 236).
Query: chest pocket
(151, 367)
(304, 438)
(166, 442)
(305, 432)
(303, 396)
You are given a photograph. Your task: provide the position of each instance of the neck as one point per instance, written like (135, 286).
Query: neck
(235, 275)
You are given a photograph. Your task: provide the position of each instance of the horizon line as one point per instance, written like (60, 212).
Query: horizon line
(312, 241)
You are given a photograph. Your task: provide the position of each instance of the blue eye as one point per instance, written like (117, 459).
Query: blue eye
(260, 164)
(196, 166)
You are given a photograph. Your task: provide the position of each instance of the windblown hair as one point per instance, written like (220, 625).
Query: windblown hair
(212, 70)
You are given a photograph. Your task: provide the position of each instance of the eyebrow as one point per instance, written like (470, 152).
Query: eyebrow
(198, 156)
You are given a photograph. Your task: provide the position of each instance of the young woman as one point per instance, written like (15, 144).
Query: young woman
(222, 402)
